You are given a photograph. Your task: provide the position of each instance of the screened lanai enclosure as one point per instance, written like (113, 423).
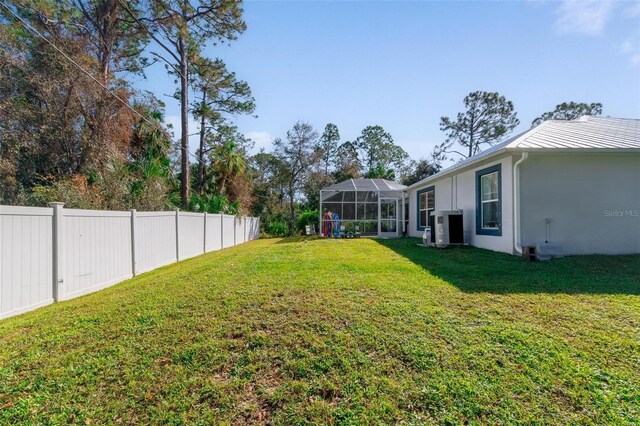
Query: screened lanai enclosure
(367, 207)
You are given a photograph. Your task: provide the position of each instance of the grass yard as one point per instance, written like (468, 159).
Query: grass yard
(344, 332)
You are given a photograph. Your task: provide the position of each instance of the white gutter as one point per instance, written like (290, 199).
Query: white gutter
(516, 203)
(456, 168)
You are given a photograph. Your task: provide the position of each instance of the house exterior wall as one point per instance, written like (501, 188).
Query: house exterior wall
(593, 202)
(458, 191)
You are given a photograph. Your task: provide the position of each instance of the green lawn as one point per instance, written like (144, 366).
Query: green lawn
(345, 332)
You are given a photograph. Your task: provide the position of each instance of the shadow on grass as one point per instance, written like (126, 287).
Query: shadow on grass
(477, 270)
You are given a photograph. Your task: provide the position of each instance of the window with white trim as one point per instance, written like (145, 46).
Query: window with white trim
(426, 204)
(489, 201)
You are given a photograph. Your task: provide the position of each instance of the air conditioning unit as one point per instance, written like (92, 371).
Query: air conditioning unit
(448, 227)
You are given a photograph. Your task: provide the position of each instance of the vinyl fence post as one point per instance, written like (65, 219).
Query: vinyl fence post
(204, 238)
(235, 230)
(221, 230)
(134, 271)
(58, 248)
(177, 235)
(245, 229)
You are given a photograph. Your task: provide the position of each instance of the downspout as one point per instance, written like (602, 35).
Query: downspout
(451, 204)
(456, 206)
(516, 203)
(402, 228)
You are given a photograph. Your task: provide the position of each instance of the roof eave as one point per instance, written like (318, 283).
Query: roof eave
(455, 169)
(548, 150)
(508, 149)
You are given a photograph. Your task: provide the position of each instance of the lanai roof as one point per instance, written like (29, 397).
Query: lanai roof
(366, 185)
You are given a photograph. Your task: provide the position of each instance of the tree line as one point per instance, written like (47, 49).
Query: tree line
(75, 128)
(288, 180)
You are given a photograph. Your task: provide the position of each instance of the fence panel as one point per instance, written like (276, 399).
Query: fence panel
(49, 254)
(228, 231)
(254, 228)
(155, 240)
(247, 229)
(97, 250)
(26, 261)
(191, 234)
(240, 229)
(214, 232)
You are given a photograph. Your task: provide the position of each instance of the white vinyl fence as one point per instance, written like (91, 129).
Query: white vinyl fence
(50, 254)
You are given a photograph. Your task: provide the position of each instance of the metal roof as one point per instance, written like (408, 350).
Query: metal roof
(590, 133)
(366, 185)
(585, 132)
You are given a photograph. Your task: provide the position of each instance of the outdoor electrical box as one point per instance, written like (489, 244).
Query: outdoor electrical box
(449, 228)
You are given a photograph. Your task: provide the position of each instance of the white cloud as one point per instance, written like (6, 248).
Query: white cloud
(587, 17)
(631, 48)
(261, 139)
(631, 45)
(590, 18)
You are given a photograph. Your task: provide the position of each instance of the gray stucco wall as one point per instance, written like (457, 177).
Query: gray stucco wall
(593, 201)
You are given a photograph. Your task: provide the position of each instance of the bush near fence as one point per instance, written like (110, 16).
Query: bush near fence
(51, 253)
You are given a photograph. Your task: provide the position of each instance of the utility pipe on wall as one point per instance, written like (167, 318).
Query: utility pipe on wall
(516, 203)
(451, 203)
(403, 222)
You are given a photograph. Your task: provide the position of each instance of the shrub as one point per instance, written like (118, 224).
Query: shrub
(307, 217)
(116, 186)
(277, 229)
(212, 203)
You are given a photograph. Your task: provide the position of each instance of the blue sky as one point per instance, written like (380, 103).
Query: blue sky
(403, 65)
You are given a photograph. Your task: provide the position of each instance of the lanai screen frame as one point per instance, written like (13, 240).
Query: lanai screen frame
(382, 190)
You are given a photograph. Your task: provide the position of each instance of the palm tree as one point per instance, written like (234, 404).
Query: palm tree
(227, 161)
(378, 171)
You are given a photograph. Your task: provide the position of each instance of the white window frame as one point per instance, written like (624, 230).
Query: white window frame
(493, 200)
(427, 209)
